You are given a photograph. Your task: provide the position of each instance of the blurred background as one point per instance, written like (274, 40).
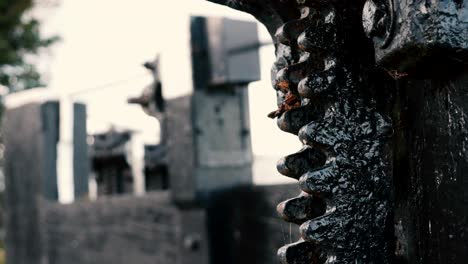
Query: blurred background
(112, 74)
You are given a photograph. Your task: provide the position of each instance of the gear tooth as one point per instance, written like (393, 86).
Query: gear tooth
(290, 121)
(281, 96)
(282, 81)
(296, 164)
(321, 37)
(339, 130)
(317, 84)
(301, 252)
(318, 134)
(281, 35)
(293, 120)
(287, 34)
(320, 230)
(289, 77)
(319, 181)
(300, 209)
(282, 167)
(297, 72)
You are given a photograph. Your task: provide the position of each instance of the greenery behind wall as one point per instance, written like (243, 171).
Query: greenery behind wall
(20, 41)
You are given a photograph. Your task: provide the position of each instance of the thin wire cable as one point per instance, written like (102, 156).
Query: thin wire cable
(106, 85)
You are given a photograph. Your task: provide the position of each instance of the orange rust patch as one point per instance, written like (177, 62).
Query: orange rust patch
(290, 102)
(283, 85)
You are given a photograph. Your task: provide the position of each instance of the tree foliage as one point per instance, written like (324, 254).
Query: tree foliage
(20, 40)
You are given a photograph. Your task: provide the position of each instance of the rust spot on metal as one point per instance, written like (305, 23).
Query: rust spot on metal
(290, 102)
(283, 85)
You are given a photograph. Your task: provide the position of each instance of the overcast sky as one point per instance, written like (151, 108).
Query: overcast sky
(105, 42)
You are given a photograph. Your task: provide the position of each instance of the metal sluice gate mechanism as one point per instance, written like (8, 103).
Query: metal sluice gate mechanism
(343, 208)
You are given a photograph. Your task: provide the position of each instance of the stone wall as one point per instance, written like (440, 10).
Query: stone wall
(112, 230)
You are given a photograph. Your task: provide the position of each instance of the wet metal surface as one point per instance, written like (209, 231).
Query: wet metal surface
(431, 161)
(344, 210)
(416, 29)
(373, 190)
(325, 97)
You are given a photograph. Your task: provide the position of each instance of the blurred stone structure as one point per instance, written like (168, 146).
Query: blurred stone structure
(110, 162)
(209, 146)
(211, 213)
(31, 134)
(156, 175)
(206, 133)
